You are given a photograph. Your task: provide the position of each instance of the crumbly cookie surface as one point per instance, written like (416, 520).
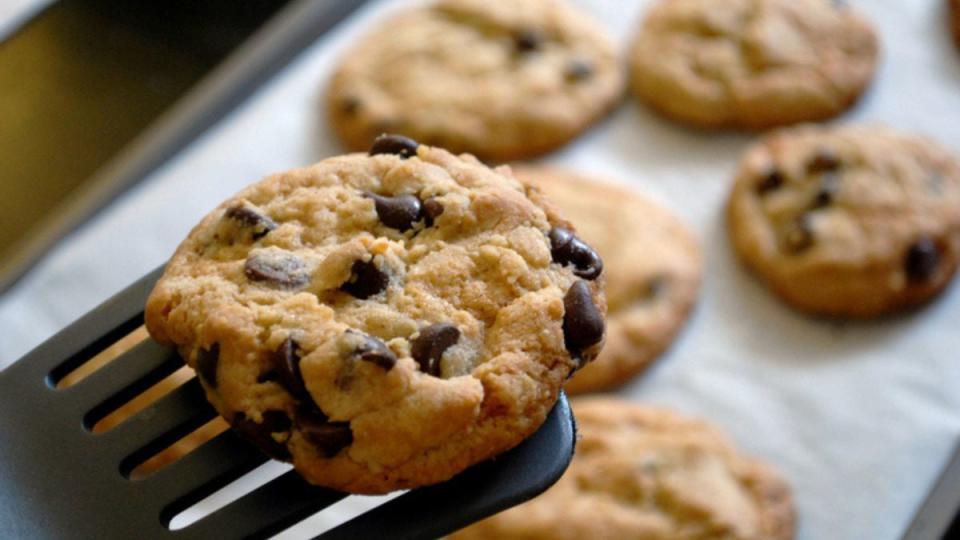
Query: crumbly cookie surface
(852, 221)
(382, 321)
(752, 64)
(652, 264)
(650, 474)
(501, 80)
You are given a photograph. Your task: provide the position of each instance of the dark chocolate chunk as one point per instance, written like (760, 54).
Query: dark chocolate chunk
(375, 351)
(329, 437)
(286, 362)
(207, 362)
(823, 161)
(432, 209)
(365, 280)
(582, 321)
(528, 40)
(577, 70)
(430, 345)
(799, 237)
(771, 180)
(399, 212)
(567, 248)
(284, 270)
(261, 434)
(922, 260)
(399, 145)
(829, 187)
(259, 224)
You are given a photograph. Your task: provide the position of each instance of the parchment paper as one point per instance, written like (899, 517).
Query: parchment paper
(861, 417)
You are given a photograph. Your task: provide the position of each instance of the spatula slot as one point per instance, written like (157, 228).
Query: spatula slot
(120, 381)
(95, 345)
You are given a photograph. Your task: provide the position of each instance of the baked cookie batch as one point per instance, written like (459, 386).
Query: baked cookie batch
(385, 319)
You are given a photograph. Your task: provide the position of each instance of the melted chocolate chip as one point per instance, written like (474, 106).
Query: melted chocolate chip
(582, 321)
(527, 40)
(365, 280)
(286, 362)
(430, 345)
(771, 180)
(261, 434)
(259, 224)
(375, 351)
(207, 362)
(329, 437)
(399, 212)
(823, 161)
(578, 70)
(829, 187)
(799, 237)
(280, 269)
(922, 260)
(399, 145)
(567, 248)
(432, 209)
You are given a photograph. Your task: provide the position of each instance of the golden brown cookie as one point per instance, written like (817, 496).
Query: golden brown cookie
(650, 474)
(501, 80)
(383, 321)
(651, 261)
(752, 64)
(851, 221)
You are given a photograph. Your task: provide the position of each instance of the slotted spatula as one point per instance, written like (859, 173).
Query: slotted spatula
(58, 479)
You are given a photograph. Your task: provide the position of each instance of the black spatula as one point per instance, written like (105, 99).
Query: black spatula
(58, 479)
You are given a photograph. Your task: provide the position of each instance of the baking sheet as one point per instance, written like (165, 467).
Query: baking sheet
(860, 416)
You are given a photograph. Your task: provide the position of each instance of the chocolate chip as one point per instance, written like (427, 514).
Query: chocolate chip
(261, 434)
(432, 209)
(329, 437)
(284, 270)
(527, 40)
(582, 321)
(270, 375)
(567, 248)
(375, 351)
(399, 212)
(578, 70)
(430, 345)
(771, 180)
(799, 237)
(286, 362)
(394, 144)
(829, 187)
(922, 260)
(657, 287)
(259, 224)
(207, 362)
(350, 105)
(824, 160)
(365, 280)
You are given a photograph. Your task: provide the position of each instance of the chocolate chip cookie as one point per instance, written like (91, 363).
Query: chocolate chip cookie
(383, 321)
(752, 64)
(652, 263)
(500, 80)
(853, 221)
(644, 473)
